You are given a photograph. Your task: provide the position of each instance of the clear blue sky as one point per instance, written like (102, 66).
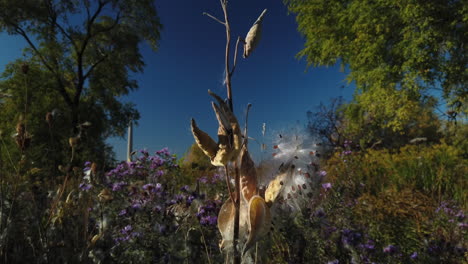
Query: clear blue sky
(190, 60)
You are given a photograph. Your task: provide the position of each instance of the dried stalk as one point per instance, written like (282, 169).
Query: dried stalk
(234, 197)
(229, 73)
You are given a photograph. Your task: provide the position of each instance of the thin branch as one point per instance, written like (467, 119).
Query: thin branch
(61, 88)
(23, 33)
(213, 17)
(94, 66)
(246, 122)
(53, 20)
(239, 39)
(228, 43)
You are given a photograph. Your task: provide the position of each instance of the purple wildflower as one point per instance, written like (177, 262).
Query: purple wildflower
(327, 186)
(137, 205)
(390, 249)
(126, 229)
(323, 173)
(203, 179)
(216, 178)
(209, 220)
(117, 186)
(85, 186)
(149, 187)
(414, 255)
(123, 212)
(320, 213)
(190, 199)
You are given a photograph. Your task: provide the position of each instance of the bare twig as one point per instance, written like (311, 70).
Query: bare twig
(239, 39)
(246, 137)
(213, 17)
(228, 43)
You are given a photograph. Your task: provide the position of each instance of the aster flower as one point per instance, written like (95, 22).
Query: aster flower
(85, 186)
(327, 186)
(390, 249)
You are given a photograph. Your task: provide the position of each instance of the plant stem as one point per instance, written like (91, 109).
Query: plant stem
(228, 43)
(237, 256)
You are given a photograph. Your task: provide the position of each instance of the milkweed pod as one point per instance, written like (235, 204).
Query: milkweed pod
(204, 141)
(248, 175)
(274, 189)
(253, 36)
(226, 223)
(259, 221)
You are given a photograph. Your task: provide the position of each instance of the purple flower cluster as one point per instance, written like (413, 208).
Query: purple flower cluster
(216, 178)
(350, 237)
(144, 166)
(207, 213)
(126, 234)
(452, 214)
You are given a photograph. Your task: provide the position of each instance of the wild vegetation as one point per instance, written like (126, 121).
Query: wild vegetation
(383, 179)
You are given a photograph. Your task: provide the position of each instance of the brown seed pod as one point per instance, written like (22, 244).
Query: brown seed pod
(259, 221)
(248, 175)
(74, 141)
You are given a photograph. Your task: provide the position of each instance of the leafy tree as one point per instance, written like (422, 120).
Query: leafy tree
(397, 52)
(390, 118)
(326, 122)
(34, 103)
(407, 44)
(89, 50)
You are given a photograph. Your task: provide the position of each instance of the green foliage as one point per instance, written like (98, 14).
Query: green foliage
(39, 107)
(390, 118)
(407, 44)
(401, 55)
(439, 171)
(89, 50)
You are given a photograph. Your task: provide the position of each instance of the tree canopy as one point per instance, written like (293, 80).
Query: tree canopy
(81, 56)
(90, 48)
(390, 44)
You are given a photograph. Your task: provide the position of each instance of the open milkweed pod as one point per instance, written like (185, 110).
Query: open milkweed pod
(204, 141)
(259, 221)
(226, 223)
(248, 175)
(229, 134)
(276, 186)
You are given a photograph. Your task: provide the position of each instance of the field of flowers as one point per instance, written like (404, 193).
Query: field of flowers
(407, 206)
